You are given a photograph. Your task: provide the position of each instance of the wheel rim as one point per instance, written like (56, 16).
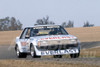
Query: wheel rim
(32, 51)
(17, 51)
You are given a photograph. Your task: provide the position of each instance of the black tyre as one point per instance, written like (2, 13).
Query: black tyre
(57, 56)
(33, 53)
(76, 55)
(19, 54)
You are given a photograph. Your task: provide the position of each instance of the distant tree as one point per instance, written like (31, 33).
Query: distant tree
(87, 24)
(13, 23)
(44, 21)
(10, 24)
(68, 25)
(19, 25)
(4, 24)
(39, 22)
(63, 24)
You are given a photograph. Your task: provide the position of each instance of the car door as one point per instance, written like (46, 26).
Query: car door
(24, 38)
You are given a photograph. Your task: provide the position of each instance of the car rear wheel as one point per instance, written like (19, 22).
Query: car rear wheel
(19, 54)
(33, 53)
(57, 56)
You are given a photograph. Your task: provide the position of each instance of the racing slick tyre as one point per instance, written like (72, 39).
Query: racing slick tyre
(57, 56)
(33, 53)
(19, 54)
(76, 55)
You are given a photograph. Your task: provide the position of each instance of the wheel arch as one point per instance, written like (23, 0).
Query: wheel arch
(31, 44)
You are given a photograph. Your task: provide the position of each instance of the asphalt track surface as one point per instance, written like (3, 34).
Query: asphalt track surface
(8, 52)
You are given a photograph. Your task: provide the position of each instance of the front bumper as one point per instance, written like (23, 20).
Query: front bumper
(57, 50)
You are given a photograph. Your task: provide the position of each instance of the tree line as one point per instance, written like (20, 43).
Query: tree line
(12, 23)
(8, 23)
(69, 24)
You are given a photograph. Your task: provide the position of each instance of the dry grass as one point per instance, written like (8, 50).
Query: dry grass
(28, 63)
(8, 37)
(86, 34)
(90, 53)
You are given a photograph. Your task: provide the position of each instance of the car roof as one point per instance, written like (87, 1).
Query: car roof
(41, 25)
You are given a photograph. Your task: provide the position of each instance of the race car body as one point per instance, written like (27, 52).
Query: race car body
(46, 40)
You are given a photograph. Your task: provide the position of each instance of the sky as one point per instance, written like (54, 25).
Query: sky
(28, 11)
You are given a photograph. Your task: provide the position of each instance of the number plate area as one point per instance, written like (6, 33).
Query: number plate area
(59, 52)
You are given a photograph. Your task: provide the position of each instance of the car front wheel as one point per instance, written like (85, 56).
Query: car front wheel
(19, 54)
(33, 53)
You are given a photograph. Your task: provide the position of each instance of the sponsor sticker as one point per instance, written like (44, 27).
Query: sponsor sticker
(59, 52)
(54, 38)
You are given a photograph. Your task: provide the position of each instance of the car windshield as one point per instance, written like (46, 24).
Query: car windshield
(48, 30)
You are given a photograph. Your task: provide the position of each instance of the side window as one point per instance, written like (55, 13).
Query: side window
(32, 33)
(23, 34)
(27, 35)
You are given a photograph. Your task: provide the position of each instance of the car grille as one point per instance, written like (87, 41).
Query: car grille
(57, 47)
(55, 42)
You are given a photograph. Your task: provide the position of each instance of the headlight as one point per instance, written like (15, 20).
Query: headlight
(74, 40)
(42, 43)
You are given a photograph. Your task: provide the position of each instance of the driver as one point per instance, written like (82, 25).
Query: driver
(36, 31)
(53, 31)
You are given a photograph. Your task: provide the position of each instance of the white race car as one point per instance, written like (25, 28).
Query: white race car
(42, 40)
